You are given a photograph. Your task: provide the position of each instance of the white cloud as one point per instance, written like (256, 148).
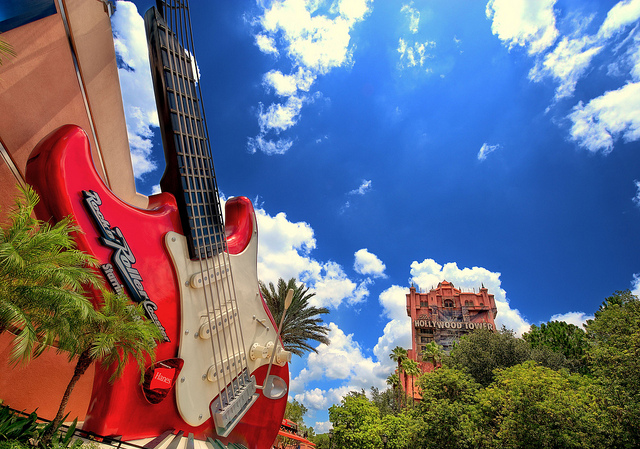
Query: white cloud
(607, 118)
(575, 318)
(636, 198)
(333, 287)
(635, 284)
(567, 63)
(266, 44)
(342, 360)
(413, 55)
(397, 332)
(141, 115)
(485, 150)
(285, 252)
(622, 14)
(524, 23)
(280, 117)
(414, 17)
(269, 147)
(427, 274)
(368, 264)
(364, 188)
(315, 43)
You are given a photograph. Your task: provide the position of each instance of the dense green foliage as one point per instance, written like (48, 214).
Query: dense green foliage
(302, 321)
(557, 387)
(42, 301)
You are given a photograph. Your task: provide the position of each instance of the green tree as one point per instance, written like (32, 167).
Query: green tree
(559, 336)
(482, 351)
(433, 353)
(302, 321)
(614, 357)
(447, 409)
(42, 279)
(533, 406)
(398, 355)
(384, 400)
(112, 335)
(412, 369)
(356, 423)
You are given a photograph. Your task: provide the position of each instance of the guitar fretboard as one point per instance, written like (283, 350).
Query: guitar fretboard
(184, 131)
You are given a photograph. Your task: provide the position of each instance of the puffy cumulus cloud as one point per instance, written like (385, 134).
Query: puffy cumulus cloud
(428, 273)
(266, 44)
(575, 318)
(342, 360)
(567, 63)
(278, 116)
(524, 23)
(285, 252)
(333, 287)
(284, 248)
(141, 115)
(485, 150)
(315, 42)
(368, 264)
(607, 118)
(397, 332)
(288, 85)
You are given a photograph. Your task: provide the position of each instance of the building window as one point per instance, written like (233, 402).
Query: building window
(468, 303)
(448, 303)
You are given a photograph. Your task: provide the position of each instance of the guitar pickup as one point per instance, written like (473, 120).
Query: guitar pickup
(221, 321)
(217, 273)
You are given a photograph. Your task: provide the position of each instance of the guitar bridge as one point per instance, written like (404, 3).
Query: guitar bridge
(228, 410)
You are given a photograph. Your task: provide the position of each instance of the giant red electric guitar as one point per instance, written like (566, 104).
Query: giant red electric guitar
(221, 372)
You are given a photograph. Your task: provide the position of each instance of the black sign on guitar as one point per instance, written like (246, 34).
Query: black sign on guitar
(122, 259)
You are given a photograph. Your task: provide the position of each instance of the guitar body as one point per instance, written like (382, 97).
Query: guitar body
(133, 240)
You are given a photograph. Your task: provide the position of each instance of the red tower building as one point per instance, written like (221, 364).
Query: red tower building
(445, 313)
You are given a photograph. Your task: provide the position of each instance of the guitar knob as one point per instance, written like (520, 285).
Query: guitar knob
(283, 357)
(258, 352)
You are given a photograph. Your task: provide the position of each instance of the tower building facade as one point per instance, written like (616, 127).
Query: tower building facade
(445, 313)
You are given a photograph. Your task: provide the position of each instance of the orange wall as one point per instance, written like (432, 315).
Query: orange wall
(40, 91)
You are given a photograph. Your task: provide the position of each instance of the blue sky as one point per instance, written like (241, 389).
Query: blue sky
(386, 143)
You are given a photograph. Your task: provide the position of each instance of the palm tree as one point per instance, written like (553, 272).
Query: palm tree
(394, 381)
(412, 369)
(399, 355)
(7, 49)
(113, 334)
(302, 322)
(433, 353)
(42, 276)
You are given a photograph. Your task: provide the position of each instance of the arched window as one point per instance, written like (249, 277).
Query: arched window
(448, 303)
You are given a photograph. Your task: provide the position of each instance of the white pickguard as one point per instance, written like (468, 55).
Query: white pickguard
(198, 383)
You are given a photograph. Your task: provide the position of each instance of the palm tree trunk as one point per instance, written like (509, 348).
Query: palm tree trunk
(84, 361)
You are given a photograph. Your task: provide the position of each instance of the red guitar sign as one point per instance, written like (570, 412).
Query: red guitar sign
(195, 276)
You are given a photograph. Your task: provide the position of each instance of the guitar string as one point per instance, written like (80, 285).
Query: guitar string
(230, 278)
(207, 175)
(182, 143)
(210, 233)
(206, 253)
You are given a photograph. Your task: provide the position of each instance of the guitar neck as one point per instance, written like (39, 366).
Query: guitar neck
(189, 173)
